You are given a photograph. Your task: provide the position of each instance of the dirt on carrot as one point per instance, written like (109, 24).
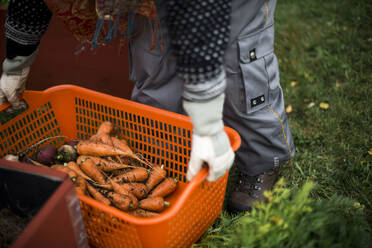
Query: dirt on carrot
(157, 174)
(165, 188)
(121, 144)
(123, 191)
(103, 164)
(156, 204)
(122, 202)
(86, 147)
(137, 189)
(135, 175)
(91, 169)
(97, 195)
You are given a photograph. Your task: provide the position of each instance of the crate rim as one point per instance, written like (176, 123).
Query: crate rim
(26, 95)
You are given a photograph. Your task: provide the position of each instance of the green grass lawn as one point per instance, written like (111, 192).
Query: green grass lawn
(324, 52)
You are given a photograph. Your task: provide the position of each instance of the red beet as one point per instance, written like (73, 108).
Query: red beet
(46, 154)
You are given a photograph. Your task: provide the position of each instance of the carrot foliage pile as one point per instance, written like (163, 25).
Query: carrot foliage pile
(107, 170)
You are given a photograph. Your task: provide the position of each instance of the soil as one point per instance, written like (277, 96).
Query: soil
(11, 226)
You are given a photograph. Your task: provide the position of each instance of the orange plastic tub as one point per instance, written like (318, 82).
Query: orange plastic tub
(161, 136)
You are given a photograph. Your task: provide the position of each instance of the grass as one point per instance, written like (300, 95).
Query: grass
(324, 52)
(324, 46)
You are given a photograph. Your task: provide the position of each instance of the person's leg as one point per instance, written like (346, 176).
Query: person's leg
(254, 107)
(254, 102)
(154, 72)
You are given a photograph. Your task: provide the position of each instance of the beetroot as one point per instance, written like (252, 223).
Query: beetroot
(66, 153)
(47, 154)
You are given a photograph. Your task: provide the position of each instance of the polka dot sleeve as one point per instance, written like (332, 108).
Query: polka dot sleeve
(27, 21)
(199, 32)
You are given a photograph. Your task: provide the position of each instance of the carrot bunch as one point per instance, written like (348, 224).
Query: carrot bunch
(111, 173)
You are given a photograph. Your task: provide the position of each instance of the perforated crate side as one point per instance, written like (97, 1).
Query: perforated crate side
(159, 142)
(29, 128)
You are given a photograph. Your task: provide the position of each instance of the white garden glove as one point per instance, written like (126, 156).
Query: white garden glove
(11, 86)
(210, 143)
(13, 80)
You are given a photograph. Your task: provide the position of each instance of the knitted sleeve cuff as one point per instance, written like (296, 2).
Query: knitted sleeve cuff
(205, 90)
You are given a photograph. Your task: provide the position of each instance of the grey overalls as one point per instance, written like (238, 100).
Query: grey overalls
(254, 104)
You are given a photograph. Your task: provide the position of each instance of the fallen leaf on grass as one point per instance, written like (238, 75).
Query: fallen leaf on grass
(370, 151)
(294, 83)
(288, 109)
(312, 104)
(324, 105)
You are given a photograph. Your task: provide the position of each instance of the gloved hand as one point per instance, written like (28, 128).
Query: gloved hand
(11, 86)
(13, 80)
(210, 143)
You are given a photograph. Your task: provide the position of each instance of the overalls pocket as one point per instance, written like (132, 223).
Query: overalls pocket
(144, 62)
(255, 51)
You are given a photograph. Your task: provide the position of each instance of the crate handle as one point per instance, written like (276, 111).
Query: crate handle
(7, 104)
(5, 116)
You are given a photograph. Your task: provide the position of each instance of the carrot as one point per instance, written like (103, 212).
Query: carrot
(137, 189)
(123, 191)
(121, 144)
(72, 174)
(122, 202)
(101, 138)
(136, 175)
(100, 149)
(117, 172)
(156, 204)
(122, 160)
(86, 147)
(105, 127)
(82, 158)
(103, 164)
(164, 188)
(97, 195)
(73, 166)
(112, 141)
(157, 174)
(80, 185)
(90, 168)
(143, 213)
(104, 186)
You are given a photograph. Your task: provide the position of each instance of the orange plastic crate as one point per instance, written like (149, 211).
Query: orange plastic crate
(162, 137)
